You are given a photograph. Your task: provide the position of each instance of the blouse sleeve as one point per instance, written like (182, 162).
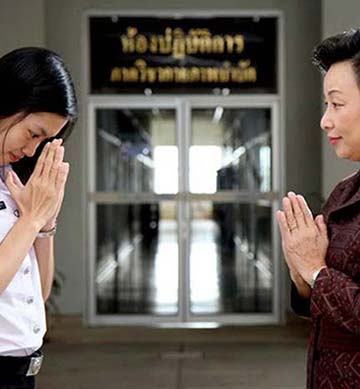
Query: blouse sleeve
(337, 297)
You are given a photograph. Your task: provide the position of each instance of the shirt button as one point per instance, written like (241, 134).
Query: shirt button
(30, 300)
(16, 213)
(27, 270)
(36, 329)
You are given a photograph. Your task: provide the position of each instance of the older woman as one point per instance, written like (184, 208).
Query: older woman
(323, 254)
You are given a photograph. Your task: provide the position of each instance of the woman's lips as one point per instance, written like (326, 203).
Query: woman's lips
(13, 158)
(333, 140)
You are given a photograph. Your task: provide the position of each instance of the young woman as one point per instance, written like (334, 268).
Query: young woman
(323, 254)
(37, 112)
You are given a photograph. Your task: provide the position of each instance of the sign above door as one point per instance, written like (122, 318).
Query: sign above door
(209, 55)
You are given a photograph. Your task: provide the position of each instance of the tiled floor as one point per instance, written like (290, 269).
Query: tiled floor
(134, 358)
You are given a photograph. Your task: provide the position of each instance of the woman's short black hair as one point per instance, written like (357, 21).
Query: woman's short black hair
(338, 48)
(34, 79)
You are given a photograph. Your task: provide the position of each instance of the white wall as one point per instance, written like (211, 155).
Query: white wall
(21, 24)
(336, 17)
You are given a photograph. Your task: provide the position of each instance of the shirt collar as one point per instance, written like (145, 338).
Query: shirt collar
(3, 171)
(347, 194)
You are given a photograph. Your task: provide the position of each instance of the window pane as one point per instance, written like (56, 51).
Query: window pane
(230, 150)
(231, 266)
(136, 151)
(137, 259)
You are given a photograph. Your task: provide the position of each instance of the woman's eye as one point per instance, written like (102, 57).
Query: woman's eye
(333, 104)
(337, 105)
(33, 135)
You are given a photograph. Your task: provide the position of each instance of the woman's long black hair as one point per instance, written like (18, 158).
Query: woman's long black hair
(34, 79)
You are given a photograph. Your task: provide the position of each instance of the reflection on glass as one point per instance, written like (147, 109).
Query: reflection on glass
(230, 150)
(231, 267)
(131, 147)
(203, 175)
(166, 162)
(137, 259)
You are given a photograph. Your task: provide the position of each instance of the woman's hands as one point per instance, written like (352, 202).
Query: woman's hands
(41, 198)
(304, 239)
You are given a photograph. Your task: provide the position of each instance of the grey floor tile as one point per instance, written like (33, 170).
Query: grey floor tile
(106, 366)
(246, 366)
(81, 358)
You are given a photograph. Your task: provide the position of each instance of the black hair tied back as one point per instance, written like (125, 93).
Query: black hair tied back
(338, 48)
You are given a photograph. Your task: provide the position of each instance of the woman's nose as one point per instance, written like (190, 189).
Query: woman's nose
(30, 149)
(326, 123)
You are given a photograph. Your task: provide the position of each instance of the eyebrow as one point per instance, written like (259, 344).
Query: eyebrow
(334, 90)
(43, 131)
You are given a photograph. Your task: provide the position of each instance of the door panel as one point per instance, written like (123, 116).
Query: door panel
(231, 265)
(137, 257)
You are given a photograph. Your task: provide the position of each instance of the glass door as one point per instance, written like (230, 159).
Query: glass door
(231, 197)
(134, 213)
(182, 195)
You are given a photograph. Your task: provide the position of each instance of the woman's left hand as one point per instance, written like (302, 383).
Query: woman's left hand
(52, 222)
(64, 169)
(304, 239)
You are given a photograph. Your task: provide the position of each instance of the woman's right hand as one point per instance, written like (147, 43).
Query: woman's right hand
(38, 200)
(302, 287)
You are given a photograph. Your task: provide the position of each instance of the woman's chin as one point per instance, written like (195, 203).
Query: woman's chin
(341, 153)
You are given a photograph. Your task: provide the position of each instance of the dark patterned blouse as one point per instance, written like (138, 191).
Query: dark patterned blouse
(334, 305)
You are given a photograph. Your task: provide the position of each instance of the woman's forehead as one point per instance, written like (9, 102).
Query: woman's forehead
(340, 78)
(49, 124)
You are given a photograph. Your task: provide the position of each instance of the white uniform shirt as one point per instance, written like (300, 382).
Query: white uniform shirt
(22, 311)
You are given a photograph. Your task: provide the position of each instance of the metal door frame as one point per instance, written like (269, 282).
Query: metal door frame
(182, 107)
